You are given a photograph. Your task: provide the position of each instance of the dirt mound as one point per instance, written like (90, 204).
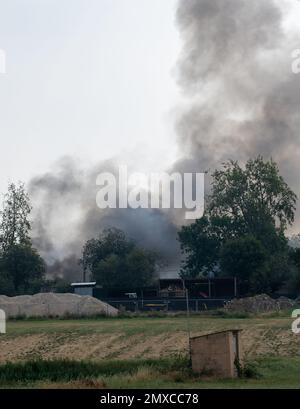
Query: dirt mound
(259, 303)
(54, 305)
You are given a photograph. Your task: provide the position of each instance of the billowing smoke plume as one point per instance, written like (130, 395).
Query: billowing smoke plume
(242, 99)
(235, 69)
(66, 215)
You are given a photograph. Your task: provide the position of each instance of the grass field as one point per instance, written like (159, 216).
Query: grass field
(140, 352)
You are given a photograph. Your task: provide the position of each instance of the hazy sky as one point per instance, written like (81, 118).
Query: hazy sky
(85, 78)
(88, 78)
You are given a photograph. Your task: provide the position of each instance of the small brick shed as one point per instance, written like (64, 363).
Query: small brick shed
(216, 353)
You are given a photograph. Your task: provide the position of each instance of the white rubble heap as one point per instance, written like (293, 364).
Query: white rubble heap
(54, 305)
(260, 304)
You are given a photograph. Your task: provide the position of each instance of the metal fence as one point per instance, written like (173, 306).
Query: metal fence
(166, 305)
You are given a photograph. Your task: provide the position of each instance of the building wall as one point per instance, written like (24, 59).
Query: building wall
(215, 354)
(84, 291)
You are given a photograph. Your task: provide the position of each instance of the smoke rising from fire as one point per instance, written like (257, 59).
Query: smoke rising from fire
(241, 99)
(65, 216)
(235, 67)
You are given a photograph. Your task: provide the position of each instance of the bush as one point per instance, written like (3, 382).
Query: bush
(249, 370)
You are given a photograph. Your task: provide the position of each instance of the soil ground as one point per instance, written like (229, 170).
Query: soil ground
(97, 340)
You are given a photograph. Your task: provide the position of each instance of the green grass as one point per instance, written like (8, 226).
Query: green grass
(163, 373)
(141, 325)
(65, 370)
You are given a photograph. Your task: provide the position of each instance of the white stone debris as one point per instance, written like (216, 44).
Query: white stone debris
(54, 305)
(260, 304)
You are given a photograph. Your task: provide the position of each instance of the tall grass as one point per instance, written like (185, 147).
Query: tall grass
(66, 370)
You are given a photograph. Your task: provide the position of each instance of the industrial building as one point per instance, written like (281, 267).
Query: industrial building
(173, 294)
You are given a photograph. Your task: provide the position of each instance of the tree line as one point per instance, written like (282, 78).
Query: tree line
(243, 233)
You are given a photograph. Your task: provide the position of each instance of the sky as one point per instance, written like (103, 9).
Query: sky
(92, 80)
(88, 79)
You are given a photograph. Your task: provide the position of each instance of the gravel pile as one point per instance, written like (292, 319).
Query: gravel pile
(259, 303)
(54, 305)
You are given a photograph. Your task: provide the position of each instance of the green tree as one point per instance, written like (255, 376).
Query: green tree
(115, 261)
(140, 267)
(23, 269)
(253, 197)
(242, 257)
(252, 201)
(200, 243)
(6, 284)
(15, 226)
(293, 284)
(275, 273)
(111, 241)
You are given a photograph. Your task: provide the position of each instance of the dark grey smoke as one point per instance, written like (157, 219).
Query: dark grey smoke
(242, 99)
(66, 215)
(235, 69)
(67, 268)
